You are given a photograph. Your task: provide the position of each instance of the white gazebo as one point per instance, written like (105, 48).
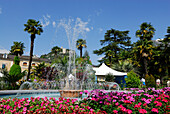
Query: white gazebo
(103, 70)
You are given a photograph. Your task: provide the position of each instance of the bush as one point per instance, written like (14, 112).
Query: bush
(150, 81)
(15, 72)
(110, 78)
(132, 80)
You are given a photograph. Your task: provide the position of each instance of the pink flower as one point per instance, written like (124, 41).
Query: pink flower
(159, 104)
(85, 91)
(117, 104)
(25, 109)
(52, 108)
(155, 110)
(142, 111)
(115, 111)
(19, 105)
(144, 104)
(93, 98)
(164, 100)
(81, 93)
(8, 107)
(114, 100)
(137, 106)
(129, 111)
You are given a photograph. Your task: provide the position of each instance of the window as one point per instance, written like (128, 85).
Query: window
(33, 64)
(24, 63)
(5, 55)
(3, 66)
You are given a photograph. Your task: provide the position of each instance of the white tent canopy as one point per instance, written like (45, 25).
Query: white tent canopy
(104, 70)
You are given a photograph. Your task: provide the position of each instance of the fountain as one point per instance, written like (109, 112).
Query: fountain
(73, 87)
(73, 77)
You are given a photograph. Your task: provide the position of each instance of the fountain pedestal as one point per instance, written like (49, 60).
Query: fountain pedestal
(70, 93)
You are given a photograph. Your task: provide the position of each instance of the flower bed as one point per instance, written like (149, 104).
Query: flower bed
(98, 101)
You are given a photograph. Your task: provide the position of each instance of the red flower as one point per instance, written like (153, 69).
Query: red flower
(155, 110)
(137, 106)
(142, 111)
(115, 111)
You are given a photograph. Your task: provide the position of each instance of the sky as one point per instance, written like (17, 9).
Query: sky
(89, 18)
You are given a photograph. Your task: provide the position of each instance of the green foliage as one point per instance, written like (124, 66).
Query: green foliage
(17, 48)
(56, 54)
(16, 60)
(150, 81)
(80, 44)
(114, 42)
(123, 66)
(110, 78)
(84, 69)
(15, 72)
(132, 80)
(146, 31)
(33, 27)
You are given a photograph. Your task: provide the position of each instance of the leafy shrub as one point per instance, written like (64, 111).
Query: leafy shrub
(150, 81)
(15, 72)
(132, 80)
(110, 78)
(16, 60)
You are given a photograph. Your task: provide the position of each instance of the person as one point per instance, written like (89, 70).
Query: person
(143, 81)
(158, 82)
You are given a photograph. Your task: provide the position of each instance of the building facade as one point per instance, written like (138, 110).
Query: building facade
(6, 61)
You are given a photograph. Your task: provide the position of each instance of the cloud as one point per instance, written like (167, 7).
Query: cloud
(4, 51)
(0, 10)
(98, 12)
(54, 23)
(100, 30)
(45, 21)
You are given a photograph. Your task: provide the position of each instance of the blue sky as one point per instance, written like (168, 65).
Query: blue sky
(97, 16)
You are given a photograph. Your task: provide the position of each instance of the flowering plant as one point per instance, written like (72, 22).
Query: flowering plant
(97, 102)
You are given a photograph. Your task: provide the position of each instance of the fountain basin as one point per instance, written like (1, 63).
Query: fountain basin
(70, 93)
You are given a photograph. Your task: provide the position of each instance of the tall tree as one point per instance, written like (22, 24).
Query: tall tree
(56, 50)
(146, 31)
(164, 55)
(143, 49)
(80, 44)
(33, 27)
(114, 42)
(142, 53)
(17, 48)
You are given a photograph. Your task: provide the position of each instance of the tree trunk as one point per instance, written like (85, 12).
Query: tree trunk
(81, 52)
(145, 65)
(31, 54)
(110, 60)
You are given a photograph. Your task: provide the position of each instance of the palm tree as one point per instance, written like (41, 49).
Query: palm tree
(142, 53)
(123, 66)
(17, 48)
(146, 31)
(80, 44)
(32, 27)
